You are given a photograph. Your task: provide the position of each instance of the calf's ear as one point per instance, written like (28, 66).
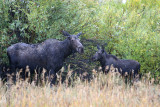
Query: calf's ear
(65, 33)
(79, 34)
(103, 48)
(98, 47)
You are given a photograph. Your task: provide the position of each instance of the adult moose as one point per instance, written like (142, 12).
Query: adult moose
(49, 54)
(106, 60)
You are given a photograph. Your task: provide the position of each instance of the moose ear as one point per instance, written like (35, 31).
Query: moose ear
(65, 33)
(79, 34)
(98, 47)
(103, 48)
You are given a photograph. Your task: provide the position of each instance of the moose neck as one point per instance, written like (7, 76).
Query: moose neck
(67, 49)
(103, 59)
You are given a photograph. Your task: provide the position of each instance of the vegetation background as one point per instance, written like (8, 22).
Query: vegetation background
(130, 30)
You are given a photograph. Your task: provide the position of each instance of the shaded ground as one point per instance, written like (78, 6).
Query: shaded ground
(83, 64)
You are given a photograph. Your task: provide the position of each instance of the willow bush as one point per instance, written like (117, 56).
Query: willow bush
(130, 30)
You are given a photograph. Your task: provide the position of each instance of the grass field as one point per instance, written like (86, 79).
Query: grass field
(103, 90)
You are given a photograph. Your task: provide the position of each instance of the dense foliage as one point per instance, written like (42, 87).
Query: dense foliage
(131, 30)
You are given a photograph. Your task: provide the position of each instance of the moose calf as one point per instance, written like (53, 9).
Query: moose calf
(130, 67)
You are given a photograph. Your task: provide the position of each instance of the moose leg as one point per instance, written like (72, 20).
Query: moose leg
(13, 72)
(12, 69)
(52, 77)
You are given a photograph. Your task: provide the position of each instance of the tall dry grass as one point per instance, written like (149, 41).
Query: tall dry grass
(103, 90)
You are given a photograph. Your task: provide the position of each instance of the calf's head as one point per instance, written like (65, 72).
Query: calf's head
(99, 54)
(76, 45)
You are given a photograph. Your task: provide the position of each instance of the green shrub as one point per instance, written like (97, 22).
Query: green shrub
(131, 30)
